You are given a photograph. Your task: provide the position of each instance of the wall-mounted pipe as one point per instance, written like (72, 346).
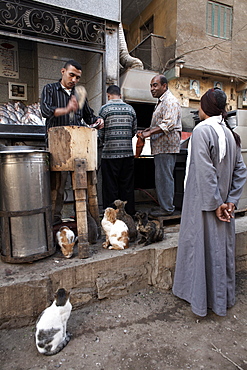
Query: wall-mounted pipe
(126, 60)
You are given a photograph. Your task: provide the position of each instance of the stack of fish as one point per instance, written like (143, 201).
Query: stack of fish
(20, 114)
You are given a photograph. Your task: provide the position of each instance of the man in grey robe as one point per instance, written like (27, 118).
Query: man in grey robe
(215, 176)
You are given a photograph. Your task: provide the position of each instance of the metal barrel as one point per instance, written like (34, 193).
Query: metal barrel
(25, 205)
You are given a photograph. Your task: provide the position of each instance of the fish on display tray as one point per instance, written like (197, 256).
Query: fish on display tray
(20, 114)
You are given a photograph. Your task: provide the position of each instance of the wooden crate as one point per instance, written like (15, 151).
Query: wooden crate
(67, 143)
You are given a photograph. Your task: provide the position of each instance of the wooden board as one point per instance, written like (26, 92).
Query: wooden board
(162, 219)
(67, 143)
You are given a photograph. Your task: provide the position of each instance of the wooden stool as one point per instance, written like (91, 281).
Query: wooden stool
(74, 148)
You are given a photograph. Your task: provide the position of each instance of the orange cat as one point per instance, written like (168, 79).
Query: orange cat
(66, 240)
(116, 231)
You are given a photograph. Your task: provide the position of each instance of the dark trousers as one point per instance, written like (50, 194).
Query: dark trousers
(58, 182)
(118, 182)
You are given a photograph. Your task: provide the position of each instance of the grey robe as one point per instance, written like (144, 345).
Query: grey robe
(205, 266)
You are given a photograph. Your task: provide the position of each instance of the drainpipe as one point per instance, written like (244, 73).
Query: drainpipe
(126, 60)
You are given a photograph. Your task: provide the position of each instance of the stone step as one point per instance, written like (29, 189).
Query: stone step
(27, 288)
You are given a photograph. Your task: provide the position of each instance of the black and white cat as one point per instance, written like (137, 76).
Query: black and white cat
(51, 336)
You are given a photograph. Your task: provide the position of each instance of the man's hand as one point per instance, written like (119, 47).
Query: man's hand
(99, 124)
(149, 132)
(144, 134)
(72, 105)
(225, 212)
(231, 209)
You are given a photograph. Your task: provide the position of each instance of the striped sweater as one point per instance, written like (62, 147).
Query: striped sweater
(120, 126)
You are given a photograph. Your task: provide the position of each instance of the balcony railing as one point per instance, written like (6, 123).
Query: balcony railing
(151, 51)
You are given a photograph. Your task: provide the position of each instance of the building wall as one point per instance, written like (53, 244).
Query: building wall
(52, 58)
(26, 51)
(112, 54)
(93, 80)
(164, 13)
(209, 53)
(180, 87)
(207, 59)
(184, 27)
(99, 9)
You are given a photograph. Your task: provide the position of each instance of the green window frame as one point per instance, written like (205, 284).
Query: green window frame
(219, 20)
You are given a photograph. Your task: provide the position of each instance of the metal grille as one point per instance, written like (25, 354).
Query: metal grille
(51, 23)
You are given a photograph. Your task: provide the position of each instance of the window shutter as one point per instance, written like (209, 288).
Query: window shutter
(219, 20)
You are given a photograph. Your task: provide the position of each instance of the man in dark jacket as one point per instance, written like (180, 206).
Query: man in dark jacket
(60, 108)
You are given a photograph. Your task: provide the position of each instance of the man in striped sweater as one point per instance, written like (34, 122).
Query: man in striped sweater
(117, 164)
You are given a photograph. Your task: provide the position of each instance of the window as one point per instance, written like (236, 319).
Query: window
(219, 20)
(244, 97)
(147, 28)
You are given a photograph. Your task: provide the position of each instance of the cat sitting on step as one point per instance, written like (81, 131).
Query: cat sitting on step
(116, 231)
(92, 227)
(66, 240)
(123, 216)
(151, 231)
(51, 336)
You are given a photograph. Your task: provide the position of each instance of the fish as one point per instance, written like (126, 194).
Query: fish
(10, 107)
(31, 119)
(13, 116)
(4, 120)
(19, 113)
(20, 107)
(35, 109)
(4, 112)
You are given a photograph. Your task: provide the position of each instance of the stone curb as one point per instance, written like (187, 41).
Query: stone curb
(26, 289)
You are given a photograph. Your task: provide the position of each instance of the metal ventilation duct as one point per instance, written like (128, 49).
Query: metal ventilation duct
(135, 86)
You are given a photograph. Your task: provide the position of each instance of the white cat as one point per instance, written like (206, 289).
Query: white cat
(66, 240)
(116, 231)
(51, 336)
